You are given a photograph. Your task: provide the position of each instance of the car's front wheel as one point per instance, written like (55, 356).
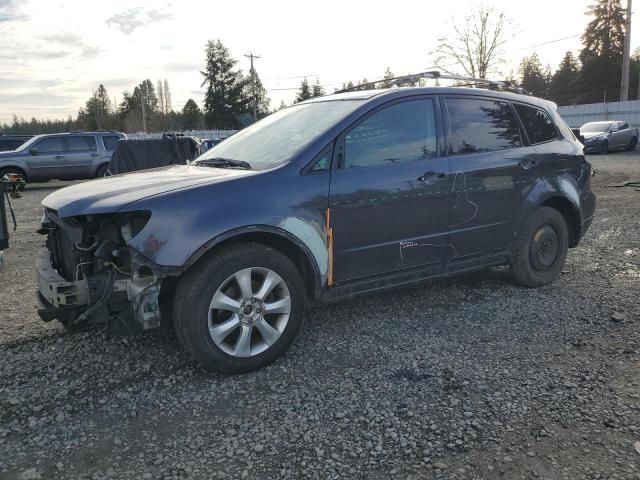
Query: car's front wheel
(541, 248)
(240, 308)
(604, 147)
(13, 171)
(633, 143)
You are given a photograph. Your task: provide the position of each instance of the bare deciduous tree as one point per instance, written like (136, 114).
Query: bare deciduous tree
(476, 46)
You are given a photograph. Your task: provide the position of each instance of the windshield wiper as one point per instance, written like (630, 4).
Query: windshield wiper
(221, 162)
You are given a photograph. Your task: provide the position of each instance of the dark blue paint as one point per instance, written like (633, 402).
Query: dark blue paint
(392, 224)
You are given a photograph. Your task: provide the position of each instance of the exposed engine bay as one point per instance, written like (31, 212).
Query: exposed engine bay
(88, 273)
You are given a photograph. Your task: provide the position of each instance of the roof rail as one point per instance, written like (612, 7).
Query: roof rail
(99, 130)
(411, 79)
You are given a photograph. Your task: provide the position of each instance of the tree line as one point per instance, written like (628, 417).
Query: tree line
(475, 48)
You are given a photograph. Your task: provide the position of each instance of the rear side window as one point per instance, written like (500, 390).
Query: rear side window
(50, 145)
(399, 133)
(81, 144)
(110, 142)
(537, 124)
(479, 125)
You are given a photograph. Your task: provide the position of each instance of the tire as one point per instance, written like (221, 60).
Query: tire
(604, 147)
(102, 170)
(241, 316)
(15, 171)
(633, 143)
(541, 248)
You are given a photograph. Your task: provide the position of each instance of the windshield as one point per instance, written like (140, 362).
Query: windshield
(595, 127)
(278, 137)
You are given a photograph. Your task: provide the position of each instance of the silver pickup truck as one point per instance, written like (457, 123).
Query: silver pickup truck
(63, 156)
(600, 137)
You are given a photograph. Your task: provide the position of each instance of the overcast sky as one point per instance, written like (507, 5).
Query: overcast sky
(53, 54)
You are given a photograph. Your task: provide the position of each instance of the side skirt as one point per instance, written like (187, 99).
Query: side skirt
(363, 287)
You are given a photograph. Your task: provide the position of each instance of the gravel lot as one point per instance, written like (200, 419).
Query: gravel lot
(473, 377)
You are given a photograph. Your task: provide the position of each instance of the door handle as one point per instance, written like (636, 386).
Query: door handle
(95, 155)
(527, 164)
(430, 176)
(58, 157)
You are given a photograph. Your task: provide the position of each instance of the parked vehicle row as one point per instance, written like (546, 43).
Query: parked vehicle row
(333, 197)
(63, 156)
(11, 142)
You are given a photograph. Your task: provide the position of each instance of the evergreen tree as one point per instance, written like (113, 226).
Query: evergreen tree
(262, 98)
(304, 93)
(386, 83)
(532, 76)
(282, 105)
(564, 81)
(317, 90)
(97, 110)
(225, 97)
(601, 56)
(146, 94)
(192, 117)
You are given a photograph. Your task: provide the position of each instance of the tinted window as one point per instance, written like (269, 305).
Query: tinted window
(624, 126)
(537, 123)
(110, 142)
(81, 144)
(50, 145)
(399, 133)
(482, 125)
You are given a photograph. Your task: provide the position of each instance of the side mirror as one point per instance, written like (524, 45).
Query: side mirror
(33, 151)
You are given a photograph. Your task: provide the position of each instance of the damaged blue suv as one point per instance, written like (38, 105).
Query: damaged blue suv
(337, 196)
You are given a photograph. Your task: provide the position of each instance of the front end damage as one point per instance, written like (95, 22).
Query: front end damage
(87, 273)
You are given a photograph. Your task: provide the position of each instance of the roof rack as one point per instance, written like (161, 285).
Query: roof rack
(412, 79)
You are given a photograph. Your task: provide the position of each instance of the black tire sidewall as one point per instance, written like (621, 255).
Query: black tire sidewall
(524, 271)
(198, 287)
(102, 170)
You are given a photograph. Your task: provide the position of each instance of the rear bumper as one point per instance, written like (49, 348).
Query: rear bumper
(588, 210)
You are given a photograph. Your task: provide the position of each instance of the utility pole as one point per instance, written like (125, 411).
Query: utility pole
(251, 56)
(624, 83)
(142, 97)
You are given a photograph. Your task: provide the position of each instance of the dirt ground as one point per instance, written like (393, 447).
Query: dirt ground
(472, 377)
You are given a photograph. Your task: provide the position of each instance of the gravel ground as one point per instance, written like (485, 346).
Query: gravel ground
(472, 377)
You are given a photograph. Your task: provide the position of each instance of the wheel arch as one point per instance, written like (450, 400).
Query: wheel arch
(569, 212)
(276, 238)
(17, 167)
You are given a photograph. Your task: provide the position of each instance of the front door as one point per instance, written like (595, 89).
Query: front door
(82, 153)
(389, 195)
(47, 158)
(493, 169)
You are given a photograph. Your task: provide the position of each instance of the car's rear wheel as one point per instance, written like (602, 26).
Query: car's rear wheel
(102, 171)
(541, 248)
(14, 171)
(633, 143)
(240, 308)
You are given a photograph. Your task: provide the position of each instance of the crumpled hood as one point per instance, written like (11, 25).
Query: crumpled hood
(588, 135)
(110, 194)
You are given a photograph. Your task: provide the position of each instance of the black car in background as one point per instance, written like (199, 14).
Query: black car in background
(11, 142)
(337, 196)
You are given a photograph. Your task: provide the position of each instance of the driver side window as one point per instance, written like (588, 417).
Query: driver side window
(399, 133)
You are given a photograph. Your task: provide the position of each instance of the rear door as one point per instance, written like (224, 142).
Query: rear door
(82, 155)
(619, 137)
(492, 171)
(47, 158)
(389, 195)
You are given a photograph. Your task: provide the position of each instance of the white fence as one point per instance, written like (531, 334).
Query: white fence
(204, 134)
(577, 115)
